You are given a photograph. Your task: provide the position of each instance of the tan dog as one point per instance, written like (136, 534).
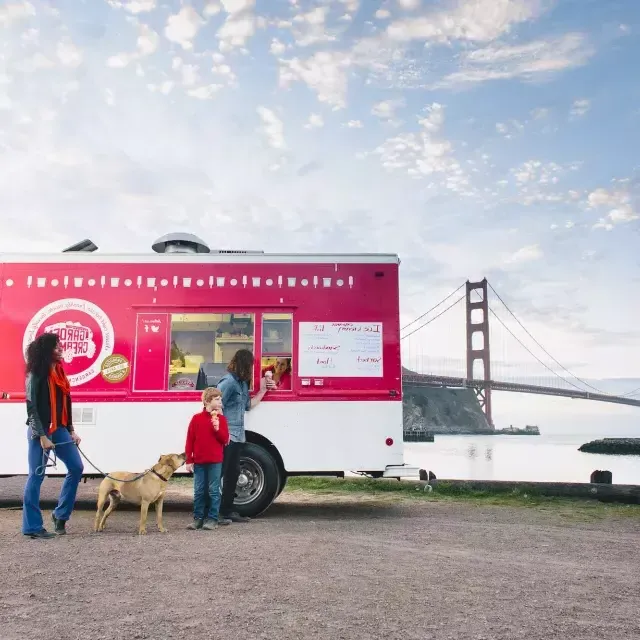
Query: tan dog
(147, 490)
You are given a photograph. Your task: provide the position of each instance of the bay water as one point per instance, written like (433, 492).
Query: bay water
(545, 458)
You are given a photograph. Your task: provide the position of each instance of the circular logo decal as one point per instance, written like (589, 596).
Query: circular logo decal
(86, 336)
(115, 368)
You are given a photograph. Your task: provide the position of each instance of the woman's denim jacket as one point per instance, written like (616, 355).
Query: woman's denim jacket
(235, 402)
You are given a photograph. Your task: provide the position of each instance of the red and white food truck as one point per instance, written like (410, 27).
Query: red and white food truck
(143, 334)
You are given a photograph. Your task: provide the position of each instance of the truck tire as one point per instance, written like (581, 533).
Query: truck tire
(283, 483)
(258, 483)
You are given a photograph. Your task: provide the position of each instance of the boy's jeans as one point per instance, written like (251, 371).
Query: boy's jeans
(206, 483)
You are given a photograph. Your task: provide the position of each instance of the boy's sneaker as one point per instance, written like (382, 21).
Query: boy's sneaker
(195, 525)
(58, 525)
(210, 525)
(223, 522)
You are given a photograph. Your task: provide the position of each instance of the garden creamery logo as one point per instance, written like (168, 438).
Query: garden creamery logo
(86, 336)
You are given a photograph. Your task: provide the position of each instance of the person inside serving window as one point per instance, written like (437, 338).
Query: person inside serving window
(236, 401)
(281, 373)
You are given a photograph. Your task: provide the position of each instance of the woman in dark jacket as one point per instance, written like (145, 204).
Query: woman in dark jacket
(50, 425)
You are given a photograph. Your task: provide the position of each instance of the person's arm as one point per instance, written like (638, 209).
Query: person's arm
(70, 416)
(188, 447)
(35, 422)
(257, 399)
(222, 433)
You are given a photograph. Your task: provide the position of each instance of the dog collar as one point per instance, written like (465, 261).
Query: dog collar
(159, 476)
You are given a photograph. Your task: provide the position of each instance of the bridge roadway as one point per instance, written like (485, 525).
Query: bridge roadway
(421, 380)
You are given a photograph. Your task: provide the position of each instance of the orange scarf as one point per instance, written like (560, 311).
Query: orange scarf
(59, 380)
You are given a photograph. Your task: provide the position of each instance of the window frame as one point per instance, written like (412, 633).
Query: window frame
(291, 356)
(253, 312)
(258, 312)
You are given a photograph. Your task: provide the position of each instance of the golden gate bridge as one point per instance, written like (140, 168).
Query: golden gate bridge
(557, 381)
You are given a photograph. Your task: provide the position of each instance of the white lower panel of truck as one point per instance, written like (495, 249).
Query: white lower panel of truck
(311, 437)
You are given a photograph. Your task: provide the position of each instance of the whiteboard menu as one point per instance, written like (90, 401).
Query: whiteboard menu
(340, 349)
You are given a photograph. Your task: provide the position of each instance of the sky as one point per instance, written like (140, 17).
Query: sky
(474, 138)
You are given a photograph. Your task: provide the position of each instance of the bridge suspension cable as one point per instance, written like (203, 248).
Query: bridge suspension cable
(524, 346)
(453, 304)
(426, 313)
(573, 375)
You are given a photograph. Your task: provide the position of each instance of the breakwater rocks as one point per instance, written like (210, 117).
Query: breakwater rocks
(613, 446)
(418, 435)
(623, 493)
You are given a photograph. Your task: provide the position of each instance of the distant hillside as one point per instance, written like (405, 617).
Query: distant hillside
(442, 410)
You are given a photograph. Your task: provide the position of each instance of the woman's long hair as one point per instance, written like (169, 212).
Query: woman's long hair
(242, 365)
(40, 354)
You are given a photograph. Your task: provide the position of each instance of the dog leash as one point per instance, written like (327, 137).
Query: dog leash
(40, 470)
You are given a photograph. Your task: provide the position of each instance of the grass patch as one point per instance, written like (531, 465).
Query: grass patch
(570, 509)
(445, 492)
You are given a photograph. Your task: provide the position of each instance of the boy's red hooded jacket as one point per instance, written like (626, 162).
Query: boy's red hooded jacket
(204, 444)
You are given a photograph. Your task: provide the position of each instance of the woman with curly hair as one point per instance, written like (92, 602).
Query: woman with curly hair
(236, 401)
(50, 425)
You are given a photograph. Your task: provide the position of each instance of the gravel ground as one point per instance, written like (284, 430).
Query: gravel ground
(322, 567)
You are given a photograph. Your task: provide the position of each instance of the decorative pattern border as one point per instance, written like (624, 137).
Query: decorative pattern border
(184, 282)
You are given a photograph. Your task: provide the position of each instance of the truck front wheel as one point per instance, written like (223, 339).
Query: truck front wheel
(258, 483)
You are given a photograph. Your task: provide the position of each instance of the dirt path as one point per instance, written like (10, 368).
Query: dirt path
(327, 568)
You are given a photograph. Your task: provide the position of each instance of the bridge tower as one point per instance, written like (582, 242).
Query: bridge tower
(483, 354)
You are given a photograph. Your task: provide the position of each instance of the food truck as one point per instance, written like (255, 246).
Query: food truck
(143, 334)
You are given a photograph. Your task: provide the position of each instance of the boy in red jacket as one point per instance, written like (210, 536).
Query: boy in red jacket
(207, 436)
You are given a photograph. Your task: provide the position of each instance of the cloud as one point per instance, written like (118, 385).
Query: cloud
(540, 113)
(525, 254)
(537, 60)
(409, 5)
(182, 27)
(273, 128)
(134, 6)
(619, 205)
(509, 129)
(147, 43)
(471, 20)
(355, 124)
(325, 73)
(386, 110)
(204, 92)
(580, 108)
(315, 121)
(15, 12)
(277, 48)
(238, 28)
(424, 153)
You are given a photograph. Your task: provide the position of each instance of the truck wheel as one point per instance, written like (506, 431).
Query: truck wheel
(283, 483)
(258, 483)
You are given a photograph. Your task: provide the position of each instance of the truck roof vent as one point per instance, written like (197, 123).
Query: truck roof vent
(85, 246)
(180, 243)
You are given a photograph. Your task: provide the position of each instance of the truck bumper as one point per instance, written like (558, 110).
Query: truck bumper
(402, 471)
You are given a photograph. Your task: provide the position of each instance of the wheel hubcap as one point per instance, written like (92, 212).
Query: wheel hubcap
(250, 482)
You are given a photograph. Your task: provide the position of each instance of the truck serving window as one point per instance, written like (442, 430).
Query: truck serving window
(277, 348)
(205, 339)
